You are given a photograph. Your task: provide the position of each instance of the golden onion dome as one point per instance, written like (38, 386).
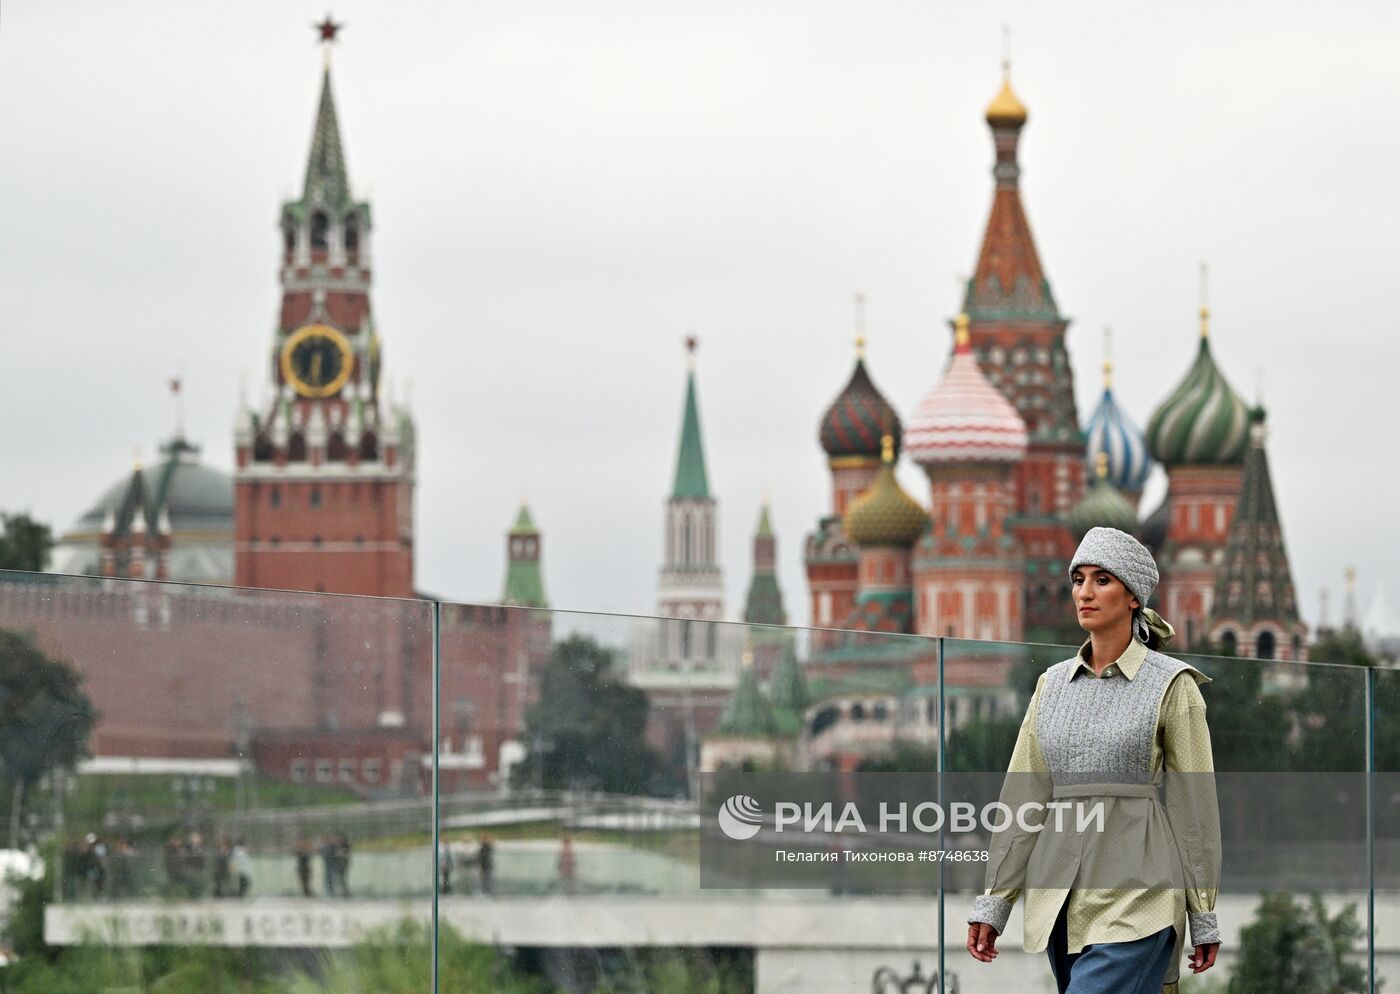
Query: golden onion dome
(885, 514)
(1006, 109)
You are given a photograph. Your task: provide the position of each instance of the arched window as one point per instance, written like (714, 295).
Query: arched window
(262, 449)
(296, 448)
(1264, 645)
(352, 235)
(1229, 643)
(857, 711)
(369, 447)
(320, 230)
(824, 719)
(289, 237)
(336, 449)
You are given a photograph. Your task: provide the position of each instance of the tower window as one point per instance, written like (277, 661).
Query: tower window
(369, 447)
(296, 448)
(320, 230)
(336, 450)
(315, 499)
(352, 234)
(289, 238)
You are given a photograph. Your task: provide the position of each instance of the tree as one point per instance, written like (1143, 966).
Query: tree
(24, 543)
(588, 730)
(1298, 948)
(45, 718)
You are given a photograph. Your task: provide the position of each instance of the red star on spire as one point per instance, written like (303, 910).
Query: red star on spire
(327, 29)
(691, 344)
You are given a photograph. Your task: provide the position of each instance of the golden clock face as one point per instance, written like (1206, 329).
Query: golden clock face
(317, 360)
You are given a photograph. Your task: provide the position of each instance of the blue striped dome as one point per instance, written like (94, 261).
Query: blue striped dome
(1111, 433)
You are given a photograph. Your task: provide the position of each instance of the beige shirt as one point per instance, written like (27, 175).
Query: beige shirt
(1181, 743)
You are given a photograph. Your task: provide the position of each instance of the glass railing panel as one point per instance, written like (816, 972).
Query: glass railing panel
(215, 776)
(1385, 727)
(587, 760)
(1288, 747)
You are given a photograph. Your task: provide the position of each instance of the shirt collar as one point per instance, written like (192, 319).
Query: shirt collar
(1129, 663)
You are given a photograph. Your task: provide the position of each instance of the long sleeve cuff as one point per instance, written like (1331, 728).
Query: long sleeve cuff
(1204, 928)
(993, 911)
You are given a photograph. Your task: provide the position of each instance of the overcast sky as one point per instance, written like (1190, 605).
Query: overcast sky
(562, 191)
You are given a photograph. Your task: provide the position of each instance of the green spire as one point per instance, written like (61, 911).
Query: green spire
(748, 713)
(524, 580)
(524, 524)
(691, 481)
(765, 601)
(788, 692)
(326, 179)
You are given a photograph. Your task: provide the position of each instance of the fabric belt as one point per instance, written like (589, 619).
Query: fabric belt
(1105, 790)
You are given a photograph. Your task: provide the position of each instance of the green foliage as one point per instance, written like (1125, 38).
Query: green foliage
(588, 730)
(45, 718)
(906, 757)
(1249, 729)
(394, 962)
(1298, 948)
(24, 543)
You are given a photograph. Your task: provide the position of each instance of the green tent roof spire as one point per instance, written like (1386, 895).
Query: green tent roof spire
(765, 523)
(524, 523)
(691, 479)
(327, 181)
(524, 578)
(749, 713)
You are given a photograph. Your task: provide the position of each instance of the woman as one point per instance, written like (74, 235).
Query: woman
(1109, 727)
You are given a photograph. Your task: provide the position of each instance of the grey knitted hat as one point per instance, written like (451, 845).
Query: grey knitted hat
(1123, 556)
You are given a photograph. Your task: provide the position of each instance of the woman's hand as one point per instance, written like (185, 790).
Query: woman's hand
(1203, 958)
(982, 942)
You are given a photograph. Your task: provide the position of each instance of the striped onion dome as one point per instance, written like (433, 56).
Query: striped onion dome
(885, 514)
(1203, 422)
(1110, 433)
(1102, 504)
(855, 422)
(964, 418)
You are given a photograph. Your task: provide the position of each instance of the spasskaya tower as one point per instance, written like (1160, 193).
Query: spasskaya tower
(323, 486)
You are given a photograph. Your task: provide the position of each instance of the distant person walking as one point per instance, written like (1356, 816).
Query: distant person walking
(342, 859)
(486, 864)
(242, 867)
(444, 867)
(567, 870)
(303, 858)
(329, 864)
(222, 856)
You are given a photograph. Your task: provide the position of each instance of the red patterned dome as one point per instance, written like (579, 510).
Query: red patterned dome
(854, 424)
(964, 418)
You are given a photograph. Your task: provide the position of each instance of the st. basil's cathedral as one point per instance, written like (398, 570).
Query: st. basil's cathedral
(1014, 481)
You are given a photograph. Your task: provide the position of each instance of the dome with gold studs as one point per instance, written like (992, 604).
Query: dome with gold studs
(1006, 109)
(885, 514)
(1102, 505)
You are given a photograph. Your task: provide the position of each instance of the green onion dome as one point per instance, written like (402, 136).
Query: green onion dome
(1203, 422)
(1102, 504)
(885, 514)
